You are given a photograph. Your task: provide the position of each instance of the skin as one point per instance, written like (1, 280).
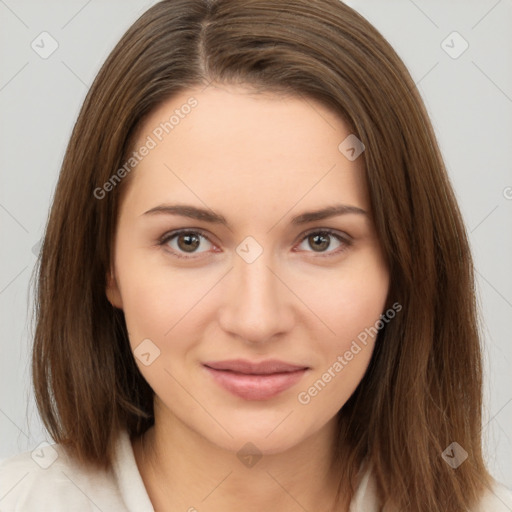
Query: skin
(259, 160)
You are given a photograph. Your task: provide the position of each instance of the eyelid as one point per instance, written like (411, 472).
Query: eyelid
(334, 232)
(171, 234)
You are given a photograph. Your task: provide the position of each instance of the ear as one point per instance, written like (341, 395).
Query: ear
(112, 291)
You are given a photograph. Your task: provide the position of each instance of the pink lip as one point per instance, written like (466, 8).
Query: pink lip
(255, 381)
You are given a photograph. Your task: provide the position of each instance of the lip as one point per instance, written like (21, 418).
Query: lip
(255, 380)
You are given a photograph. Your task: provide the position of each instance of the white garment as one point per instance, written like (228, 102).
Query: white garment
(47, 480)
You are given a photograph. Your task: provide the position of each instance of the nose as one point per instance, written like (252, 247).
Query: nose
(257, 306)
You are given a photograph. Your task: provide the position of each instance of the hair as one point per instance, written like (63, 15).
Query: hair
(423, 387)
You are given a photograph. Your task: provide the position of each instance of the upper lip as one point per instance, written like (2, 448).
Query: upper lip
(249, 367)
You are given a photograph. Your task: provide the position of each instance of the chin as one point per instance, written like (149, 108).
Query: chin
(268, 435)
(256, 443)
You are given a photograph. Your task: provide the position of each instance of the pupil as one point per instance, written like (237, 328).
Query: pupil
(190, 242)
(320, 238)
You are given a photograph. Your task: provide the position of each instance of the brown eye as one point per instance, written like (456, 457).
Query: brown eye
(185, 242)
(319, 241)
(188, 242)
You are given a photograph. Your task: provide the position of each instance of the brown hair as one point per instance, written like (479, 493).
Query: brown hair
(423, 388)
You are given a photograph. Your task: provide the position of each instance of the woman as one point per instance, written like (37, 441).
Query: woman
(255, 289)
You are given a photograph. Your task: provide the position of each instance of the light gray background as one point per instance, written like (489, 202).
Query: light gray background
(469, 99)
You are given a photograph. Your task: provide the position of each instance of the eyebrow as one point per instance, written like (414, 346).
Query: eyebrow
(206, 215)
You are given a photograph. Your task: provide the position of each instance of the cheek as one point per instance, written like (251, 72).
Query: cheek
(154, 299)
(146, 309)
(349, 305)
(344, 356)
(348, 300)
(159, 312)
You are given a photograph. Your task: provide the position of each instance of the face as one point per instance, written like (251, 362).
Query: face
(246, 316)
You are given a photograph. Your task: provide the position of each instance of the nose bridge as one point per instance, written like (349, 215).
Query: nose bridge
(256, 307)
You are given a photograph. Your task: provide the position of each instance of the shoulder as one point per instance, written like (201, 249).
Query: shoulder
(497, 499)
(48, 479)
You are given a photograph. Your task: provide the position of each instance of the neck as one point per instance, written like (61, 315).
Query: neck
(183, 470)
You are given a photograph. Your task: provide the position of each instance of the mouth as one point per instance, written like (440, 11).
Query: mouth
(255, 381)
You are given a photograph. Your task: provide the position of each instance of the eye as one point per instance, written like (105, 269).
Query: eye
(321, 240)
(184, 242)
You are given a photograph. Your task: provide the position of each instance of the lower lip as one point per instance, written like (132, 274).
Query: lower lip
(255, 387)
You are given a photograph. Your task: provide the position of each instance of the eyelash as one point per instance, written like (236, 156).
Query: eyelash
(345, 241)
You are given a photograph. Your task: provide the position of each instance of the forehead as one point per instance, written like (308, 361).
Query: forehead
(228, 144)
